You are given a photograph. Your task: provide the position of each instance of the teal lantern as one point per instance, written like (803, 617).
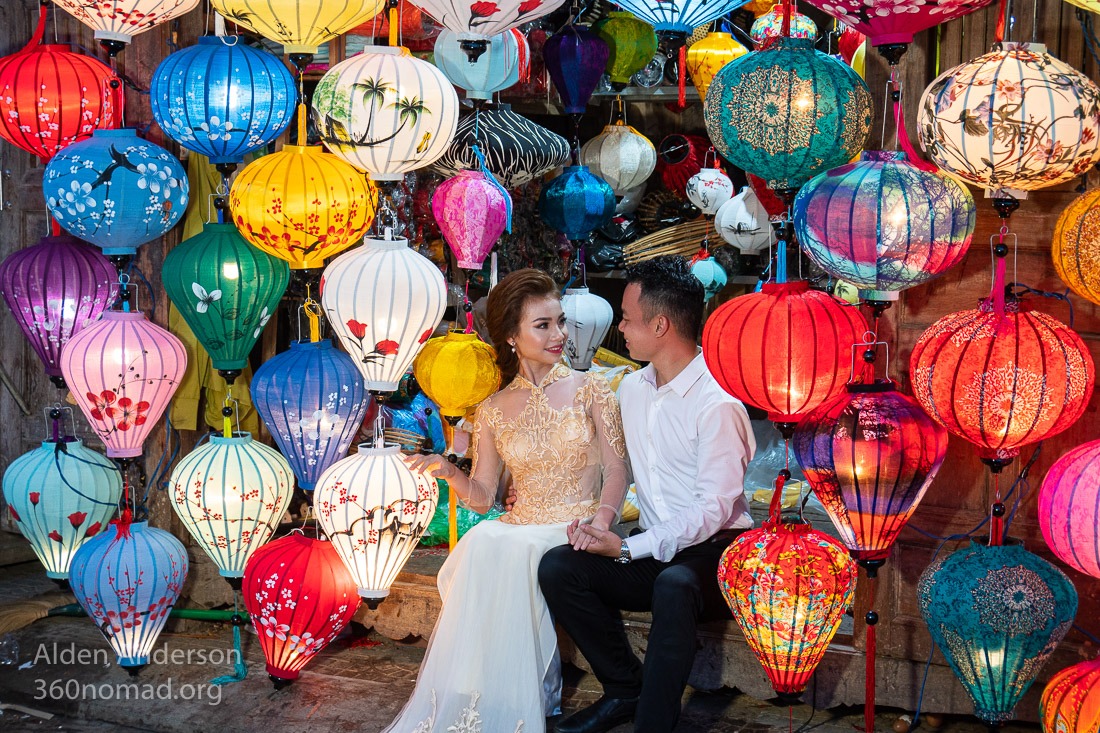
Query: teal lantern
(576, 202)
(707, 271)
(226, 290)
(997, 613)
(788, 113)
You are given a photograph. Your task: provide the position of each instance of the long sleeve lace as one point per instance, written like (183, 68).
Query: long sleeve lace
(478, 492)
(604, 411)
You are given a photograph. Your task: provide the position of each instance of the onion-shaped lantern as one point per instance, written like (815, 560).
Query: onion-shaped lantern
(457, 371)
(769, 26)
(301, 26)
(706, 56)
(122, 371)
(1054, 109)
(61, 495)
(576, 203)
(127, 578)
(472, 212)
(506, 58)
(1067, 508)
(709, 189)
(711, 274)
(383, 301)
(115, 190)
(300, 597)
(589, 319)
(744, 222)
(1071, 700)
(374, 509)
(222, 98)
(674, 22)
(575, 58)
(54, 289)
(631, 45)
(620, 155)
(1076, 248)
(997, 613)
(475, 21)
(788, 112)
(885, 22)
(116, 22)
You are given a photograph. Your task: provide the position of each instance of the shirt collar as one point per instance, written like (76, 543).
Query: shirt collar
(683, 381)
(558, 371)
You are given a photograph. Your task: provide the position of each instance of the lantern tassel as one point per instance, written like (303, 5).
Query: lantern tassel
(492, 179)
(999, 285)
(775, 508)
(393, 23)
(681, 80)
(907, 144)
(240, 669)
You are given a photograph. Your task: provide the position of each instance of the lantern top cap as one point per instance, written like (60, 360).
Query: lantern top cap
(794, 286)
(123, 316)
(1009, 46)
(368, 449)
(50, 48)
(883, 155)
(118, 132)
(66, 439)
(305, 344)
(217, 226)
(458, 334)
(386, 244)
(576, 291)
(304, 149)
(237, 439)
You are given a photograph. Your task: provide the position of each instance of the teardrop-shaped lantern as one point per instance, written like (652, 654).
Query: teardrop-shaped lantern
(576, 203)
(589, 319)
(620, 155)
(300, 26)
(709, 189)
(1071, 700)
(631, 44)
(116, 22)
(575, 58)
(1067, 508)
(706, 56)
(744, 222)
(457, 371)
(711, 274)
(472, 212)
(506, 58)
(1076, 249)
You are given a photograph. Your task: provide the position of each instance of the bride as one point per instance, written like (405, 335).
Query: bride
(491, 665)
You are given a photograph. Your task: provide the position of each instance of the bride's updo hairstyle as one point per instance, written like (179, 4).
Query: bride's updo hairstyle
(505, 309)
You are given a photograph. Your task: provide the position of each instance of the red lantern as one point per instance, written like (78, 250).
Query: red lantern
(1071, 700)
(51, 97)
(300, 597)
(679, 157)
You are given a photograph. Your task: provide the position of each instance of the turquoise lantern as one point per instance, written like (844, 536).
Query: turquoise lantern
(576, 203)
(707, 271)
(997, 613)
(788, 113)
(498, 67)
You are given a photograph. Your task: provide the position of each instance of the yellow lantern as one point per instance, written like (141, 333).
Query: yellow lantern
(1076, 248)
(301, 26)
(759, 7)
(302, 205)
(706, 57)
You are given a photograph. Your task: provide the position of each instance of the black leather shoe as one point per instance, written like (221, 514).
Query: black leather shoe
(600, 716)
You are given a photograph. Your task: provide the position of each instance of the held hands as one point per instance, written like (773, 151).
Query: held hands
(593, 538)
(433, 464)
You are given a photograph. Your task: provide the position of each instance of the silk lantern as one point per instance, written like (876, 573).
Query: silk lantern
(116, 22)
(300, 26)
(706, 56)
(711, 274)
(230, 495)
(127, 578)
(709, 189)
(60, 495)
(222, 98)
(1071, 700)
(412, 24)
(457, 372)
(743, 222)
(475, 21)
(883, 224)
(788, 112)
(576, 202)
(1067, 508)
(1075, 251)
(302, 205)
(385, 112)
(997, 613)
(769, 26)
(383, 301)
(506, 58)
(115, 190)
(54, 289)
(575, 58)
(674, 22)
(122, 371)
(1054, 109)
(885, 22)
(589, 319)
(621, 156)
(472, 212)
(374, 510)
(299, 597)
(631, 45)
(312, 400)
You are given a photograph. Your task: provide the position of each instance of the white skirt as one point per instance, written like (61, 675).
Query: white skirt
(492, 664)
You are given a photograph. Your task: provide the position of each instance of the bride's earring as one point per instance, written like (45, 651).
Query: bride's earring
(513, 347)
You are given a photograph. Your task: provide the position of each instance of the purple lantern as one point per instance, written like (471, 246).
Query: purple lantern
(472, 211)
(575, 58)
(54, 289)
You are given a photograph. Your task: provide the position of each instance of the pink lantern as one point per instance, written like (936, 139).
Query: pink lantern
(886, 22)
(122, 371)
(1067, 508)
(472, 211)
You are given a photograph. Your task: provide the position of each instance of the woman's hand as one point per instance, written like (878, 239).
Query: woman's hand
(433, 464)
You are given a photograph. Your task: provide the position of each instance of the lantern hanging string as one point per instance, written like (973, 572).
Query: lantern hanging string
(391, 15)
(999, 32)
(492, 179)
(240, 669)
(901, 132)
(996, 512)
(313, 312)
(869, 675)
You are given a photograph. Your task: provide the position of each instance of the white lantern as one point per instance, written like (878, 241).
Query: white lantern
(629, 202)
(230, 495)
(709, 189)
(589, 319)
(383, 300)
(301, 26)
(374, 510)
(476, 21)
(116, 22)
(621, 156)
(743, 222)
(505, 58)
(385, 112)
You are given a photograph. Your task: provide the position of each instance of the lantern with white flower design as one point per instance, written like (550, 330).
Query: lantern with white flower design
(116, 22)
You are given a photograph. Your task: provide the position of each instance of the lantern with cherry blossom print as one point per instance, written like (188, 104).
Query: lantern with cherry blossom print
(506, 58)
(300, 26)
(300, 597)
(374, 510)
(1071, 700)
(230, 494)
(116, 22)
(709, 189)
(476, 21)
(127, 578)
(122, 371)
(589, 319)
(1067, 508)
(472, 211)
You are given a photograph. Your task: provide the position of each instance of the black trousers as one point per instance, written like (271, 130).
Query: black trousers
(586, 593)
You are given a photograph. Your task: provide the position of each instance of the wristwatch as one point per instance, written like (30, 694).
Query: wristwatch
(624, 553)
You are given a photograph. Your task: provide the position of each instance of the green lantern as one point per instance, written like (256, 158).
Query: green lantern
(632, 42)
(226, 290)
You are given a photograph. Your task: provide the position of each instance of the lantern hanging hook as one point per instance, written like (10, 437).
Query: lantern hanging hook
(869, 355)
(54, 416)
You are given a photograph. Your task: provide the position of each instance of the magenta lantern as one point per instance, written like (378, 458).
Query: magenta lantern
(472, 211)
(886, 22)
(54, 289)
(122, 371)
(1068, 505)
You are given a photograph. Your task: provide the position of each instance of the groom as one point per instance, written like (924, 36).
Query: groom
(689, 443)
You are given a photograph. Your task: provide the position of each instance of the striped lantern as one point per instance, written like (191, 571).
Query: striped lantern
(621, 156)
(312, 400)
(1071, 700)
(374, 510)
(1076, 249)
(506, 58)
(472, 212)
(631, 43)
(383, 300)
(1067, 508)
(230, 494)
(116, 22)
(301, 26)
(122, 371)
(411, 112)
(709, 54)
(576, 203)
(681, 18)
(744, 222)
(475, 21)
(589, 319)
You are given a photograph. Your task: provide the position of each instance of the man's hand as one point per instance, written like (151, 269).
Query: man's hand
(509, 498)
(586, 538)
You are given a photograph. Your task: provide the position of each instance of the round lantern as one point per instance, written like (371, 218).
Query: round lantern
(54, 289)
(709, 189)
(115, 190)
(383, 301)
(374, 509)
(785, 349)
(744, 222)
(706, 56)
(1071, 700)
(1067, 508)
(575, 58)
(299, 597)
(679, 157)
(588, 317)
(472, 212)
(122, 371)
(1076, 248)
(883, 224)
(788, 112)
(300, 26)
(302, 205)
(576, 202)
(885, 22)
(476, 21)
(230, 495)
(457, 371)
(997, 613)
(631, 45)
(713, 276)
(769, 26)
(60, 496)
(788, 586)
(506, 58)
(1053, 108)
(385, 112)
(116, 22)
(1001, 382)
(870, 455)
(222, 98)
(621, 156)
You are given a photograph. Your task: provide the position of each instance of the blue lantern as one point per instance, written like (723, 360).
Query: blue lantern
(713, 276)
(497, 68)
(127, 579)
(312, 400)
(222, 98)
(997, 613)
(575, 58)
(61, 495)
(115, 190)
(576, 202)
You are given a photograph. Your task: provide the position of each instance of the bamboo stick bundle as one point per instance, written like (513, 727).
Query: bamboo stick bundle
(681, 239)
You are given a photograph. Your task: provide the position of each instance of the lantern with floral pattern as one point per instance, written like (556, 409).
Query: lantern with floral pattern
(1076, 249)
(1071, 700)
(116, 22)
(300, 26)
(472, 212)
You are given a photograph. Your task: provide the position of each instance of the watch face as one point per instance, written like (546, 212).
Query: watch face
(651, 75)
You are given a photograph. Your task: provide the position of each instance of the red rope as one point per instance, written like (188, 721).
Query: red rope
(996, 524)
(681, 99)
(786, 31)
(999, 33)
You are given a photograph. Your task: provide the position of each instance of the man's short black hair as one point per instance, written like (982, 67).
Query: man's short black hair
(668, 288)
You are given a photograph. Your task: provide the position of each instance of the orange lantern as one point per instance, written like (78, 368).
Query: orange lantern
(1071, 700)
(1077, 246)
